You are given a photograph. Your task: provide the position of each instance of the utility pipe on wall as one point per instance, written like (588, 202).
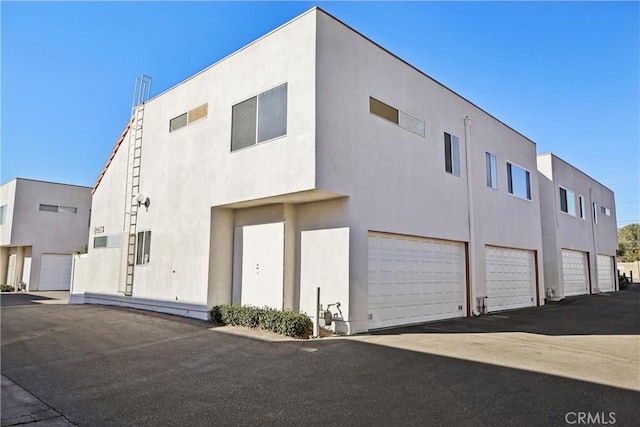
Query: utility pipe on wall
(316, 319)
(472, 237)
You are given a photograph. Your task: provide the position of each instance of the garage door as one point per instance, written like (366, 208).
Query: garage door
(55, 272)
(510, 278)
(414, 280)
(575, 272)
(606, 279)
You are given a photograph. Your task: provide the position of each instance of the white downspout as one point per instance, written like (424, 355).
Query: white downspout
(472, 237)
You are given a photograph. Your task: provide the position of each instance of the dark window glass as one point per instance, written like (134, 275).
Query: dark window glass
(383, 110)
(243, 126)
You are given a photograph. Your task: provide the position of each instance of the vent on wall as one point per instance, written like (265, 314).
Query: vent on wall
(189, 117)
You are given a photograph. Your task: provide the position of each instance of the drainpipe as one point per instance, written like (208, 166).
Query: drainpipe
(472, 237)
(594, 212)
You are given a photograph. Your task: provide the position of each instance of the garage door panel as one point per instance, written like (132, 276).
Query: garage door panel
(510, 278)
(55, 272)
(606, 278)
(414, 280)
(575, 272)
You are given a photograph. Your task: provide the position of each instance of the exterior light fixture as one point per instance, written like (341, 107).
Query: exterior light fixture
(142, 200)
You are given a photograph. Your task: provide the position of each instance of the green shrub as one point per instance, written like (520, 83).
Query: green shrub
(6, 288)
(286, 323)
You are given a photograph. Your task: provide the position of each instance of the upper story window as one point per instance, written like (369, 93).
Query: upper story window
(451, 154)
(492, 171)
(583, 211)
(518, 181)
(56, 208)
(260, 118)
(189, 117)
(402, 119)
(605, 211)
(3, 214)
(567, 201)
(594, 208)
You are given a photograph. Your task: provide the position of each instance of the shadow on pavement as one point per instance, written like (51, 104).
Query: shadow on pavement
(15, 299)
(616, 313)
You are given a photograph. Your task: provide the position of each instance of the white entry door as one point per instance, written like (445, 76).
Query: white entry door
(55, 272)
(510, 278)
(11, 270)
(414, 279)
(575, 272)
(263, 265)
(606, 278)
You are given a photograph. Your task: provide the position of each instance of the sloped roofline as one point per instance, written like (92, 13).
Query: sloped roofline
(112, 155)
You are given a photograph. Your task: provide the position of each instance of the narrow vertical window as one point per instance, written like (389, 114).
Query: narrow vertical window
(595, 212)
(451, 154)
(492, 171)
(3, 214)
(583, 213)
(143, 247)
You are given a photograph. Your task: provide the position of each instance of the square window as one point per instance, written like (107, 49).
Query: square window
(259, 118)
(451, 154)
(492, 171)
(100, 242)
(178, 122)
(518, 181)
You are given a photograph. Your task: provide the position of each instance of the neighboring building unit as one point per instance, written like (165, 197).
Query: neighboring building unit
(579, 230)
(41, 225)
(337, 166)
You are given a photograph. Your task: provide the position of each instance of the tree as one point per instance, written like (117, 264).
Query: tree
(629, 243)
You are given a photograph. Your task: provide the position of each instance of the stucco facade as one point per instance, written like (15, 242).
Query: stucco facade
(43, 223)
(400, 199)
(579, 230)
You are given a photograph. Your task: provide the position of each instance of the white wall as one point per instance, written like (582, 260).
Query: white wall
(43, 232)
(563, 231)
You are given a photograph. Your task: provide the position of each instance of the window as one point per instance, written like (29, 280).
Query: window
(518, 181)
(594, 207)
(260, 118)
(3, 214)
(567, 201)
(143, 248)
(178, 122)
(100, 242)
(383, 110)
(402, 119)
(112, 241)
(189, 117)
(48, 208)
(583, 211)
(492, 171)
(451, 154)
(67, 209)
(605, 211)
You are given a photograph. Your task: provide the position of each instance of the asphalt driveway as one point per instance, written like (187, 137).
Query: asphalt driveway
(100, 366)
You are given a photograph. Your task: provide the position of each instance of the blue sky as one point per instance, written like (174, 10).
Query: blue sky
(565, 74)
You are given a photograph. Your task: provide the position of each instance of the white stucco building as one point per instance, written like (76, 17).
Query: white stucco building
(579, 230)
(41, 225)
(313, 158)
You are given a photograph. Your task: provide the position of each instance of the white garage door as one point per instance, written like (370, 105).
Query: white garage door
(414, 280)
(510, 277)
(606, 280)
(575, 272)
(55, 272)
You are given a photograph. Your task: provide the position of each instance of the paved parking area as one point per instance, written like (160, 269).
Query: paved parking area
(98, 366)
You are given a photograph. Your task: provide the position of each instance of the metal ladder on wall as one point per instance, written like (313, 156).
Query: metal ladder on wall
(134, 156)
